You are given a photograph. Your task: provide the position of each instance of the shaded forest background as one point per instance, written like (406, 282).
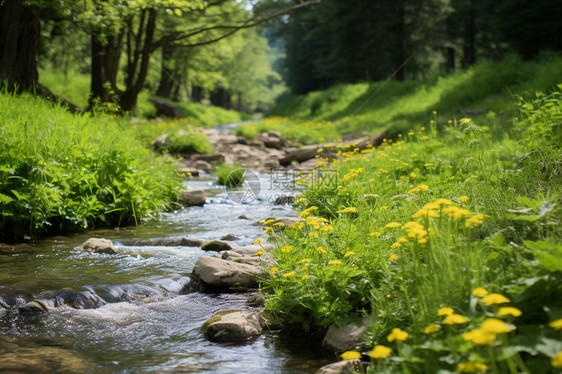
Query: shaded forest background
(245, 54)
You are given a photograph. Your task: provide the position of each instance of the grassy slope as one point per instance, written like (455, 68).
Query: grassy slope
(395, 106)
(502, 232)
(62, 172)
(76, 87)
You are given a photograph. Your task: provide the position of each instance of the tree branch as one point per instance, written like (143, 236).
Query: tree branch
(173, 40)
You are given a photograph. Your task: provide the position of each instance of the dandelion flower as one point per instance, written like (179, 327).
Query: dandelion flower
(380, 351)
(392, 257)
(280, 224)
(268, 221)
(259, 253)
(273, 271)
(557, 360)
(463, 199)
(287, 248)
(443, 202)
(258, 241)
(425, 213)
(392, 225)
(402, 240)
(350, 253)
(471, 367)
(475, 220)
(305, 261)
(431, 328)
(557, 325)
(267, 230)
(455, 319)
(495, 298)
(350, 209)
(396, 245)
(335, 262)
(495, 326)
(397, 334)
(327, 228)
(479, 336)
(350, 355)
(479, 292)
(313, 234)
(300, 200)
(509, 311)
(304, 277)
(289, 274)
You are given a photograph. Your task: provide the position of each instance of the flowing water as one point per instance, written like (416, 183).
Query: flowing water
(140, 320)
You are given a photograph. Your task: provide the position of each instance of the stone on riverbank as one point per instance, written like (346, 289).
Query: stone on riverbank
(211, 274)
(234, 326)
(183, 241)
(342, 367)
(345, 338)
(192, 198)
(33, 307)
(97, 245)
(218, 246)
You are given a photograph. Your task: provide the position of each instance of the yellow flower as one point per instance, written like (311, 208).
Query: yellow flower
(475, 220)
(305, 261)
(320, 250)
(479, 292)
(350, 253)
(431, 328)
(443, 202)
(380, 351)
(289, 274)
(434, 112)
(431, 206)
(557, 325)
(479, 336)
(268, 221)
(307, 211)
(463, 199)
(327, 228)
(280, 224)
(267, 230)
(258, 241)
(425, 137)
(350, 209)
(397, 334)
(557, 360)
(396, 245)
(425, 213)
(313, 234)
(304, 277)
(392, 257)
(509, 311)
(383, 171)
(402, 240)
(297, 225)
(259, 253)
(287, 248)
(471, 367)
(335, 262)
(300, 200)
(456, 212)
(350, 355)
(455, 319)
(392, 225)
(273, 271)
(495, 326)
(495, 298)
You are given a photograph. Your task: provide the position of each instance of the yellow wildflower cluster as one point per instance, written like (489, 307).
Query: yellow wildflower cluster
(416, 231)
(421, 187)
(350, 209)
(305, 213)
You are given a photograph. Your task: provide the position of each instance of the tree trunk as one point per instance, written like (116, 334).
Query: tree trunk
(167, 81)
(400, 39)
(197, 93)
(470, 37)
(20, 30)
(105, 66)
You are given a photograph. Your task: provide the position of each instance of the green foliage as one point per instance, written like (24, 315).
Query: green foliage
(230, 175)
(190, 141)
(73, 86)
(394, 106)
(416, 225)
(60, 172)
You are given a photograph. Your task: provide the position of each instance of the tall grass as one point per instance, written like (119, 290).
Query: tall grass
(60, 172)
(417, 225)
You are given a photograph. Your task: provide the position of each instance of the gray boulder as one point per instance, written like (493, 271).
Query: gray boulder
(218, 246)
(234, 326)
(192, 198)
(346, 337)
(97, 245)
(211, 274)
(33, 307)
(343, 367)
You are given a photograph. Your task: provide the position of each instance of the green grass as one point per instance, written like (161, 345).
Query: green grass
(61, 172)
(230, 175)
(394, 106)
(74, 87)
(419, 223)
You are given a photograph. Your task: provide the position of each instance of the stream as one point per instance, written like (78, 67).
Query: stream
(143, 322)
